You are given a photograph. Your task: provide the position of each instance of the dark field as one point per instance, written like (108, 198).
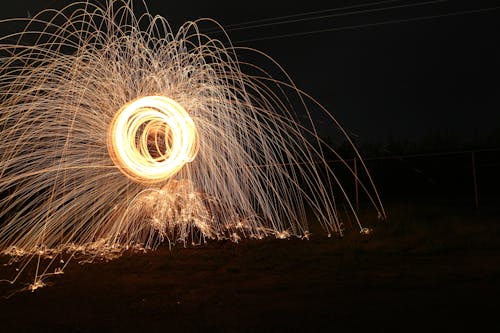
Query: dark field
(429, 268)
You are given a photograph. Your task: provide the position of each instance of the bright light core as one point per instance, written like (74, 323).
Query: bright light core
(151, 138)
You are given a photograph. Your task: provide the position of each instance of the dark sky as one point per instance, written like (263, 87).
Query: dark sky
(406, 80)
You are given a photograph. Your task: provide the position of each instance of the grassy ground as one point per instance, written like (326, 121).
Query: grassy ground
(432, 267)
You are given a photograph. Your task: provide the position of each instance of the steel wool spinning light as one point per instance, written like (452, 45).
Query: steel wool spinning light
(119, 133)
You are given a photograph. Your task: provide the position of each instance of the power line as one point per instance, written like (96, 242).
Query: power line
(382, 157)
(270, 19)
(364, 11)
(359, 26)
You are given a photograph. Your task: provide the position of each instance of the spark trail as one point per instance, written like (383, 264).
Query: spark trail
(119, 132)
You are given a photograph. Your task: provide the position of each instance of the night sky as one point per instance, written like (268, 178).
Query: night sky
(402, 80)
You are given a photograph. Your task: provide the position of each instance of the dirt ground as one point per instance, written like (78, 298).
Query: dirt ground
(423, 270)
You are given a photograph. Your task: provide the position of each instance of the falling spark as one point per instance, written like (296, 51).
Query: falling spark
(119, 133)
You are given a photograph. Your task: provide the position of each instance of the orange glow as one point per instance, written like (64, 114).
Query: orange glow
(175, 139)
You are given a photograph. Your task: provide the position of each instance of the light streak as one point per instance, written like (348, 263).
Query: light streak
(158, 119)
(120, 134)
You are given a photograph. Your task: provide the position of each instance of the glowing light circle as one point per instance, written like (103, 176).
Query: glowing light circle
(151, 138)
